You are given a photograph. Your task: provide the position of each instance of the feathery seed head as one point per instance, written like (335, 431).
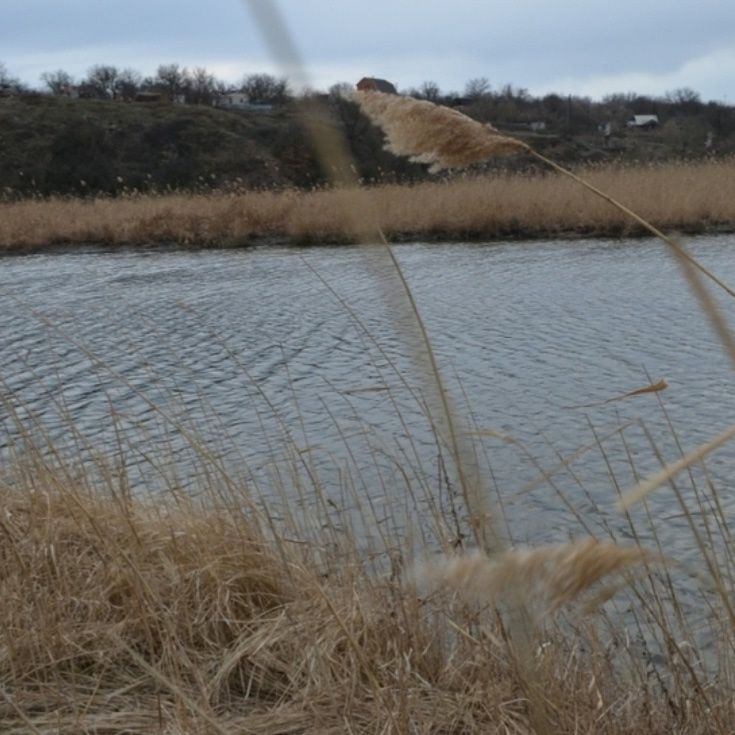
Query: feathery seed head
(549, 576)
(433, 134)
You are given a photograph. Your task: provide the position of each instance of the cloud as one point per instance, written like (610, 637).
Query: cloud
(711, 75)
(78, 60)
(587, 47)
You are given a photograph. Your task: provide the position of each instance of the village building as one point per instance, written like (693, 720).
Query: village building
(149, 97)
(373, 84)
(233, 101)
(460, 101)
(643, 122)
(70, 90)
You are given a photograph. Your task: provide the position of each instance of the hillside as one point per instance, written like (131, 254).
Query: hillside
(54, 145)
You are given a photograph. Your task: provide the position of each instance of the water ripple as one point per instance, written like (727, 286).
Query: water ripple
(249, 352)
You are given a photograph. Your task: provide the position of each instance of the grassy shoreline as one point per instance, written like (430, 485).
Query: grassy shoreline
(127, 616)
(687, 197)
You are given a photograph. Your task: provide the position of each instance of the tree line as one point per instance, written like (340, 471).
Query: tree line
(573, 114)
(172, 81)
(504, 105)
(195, 86)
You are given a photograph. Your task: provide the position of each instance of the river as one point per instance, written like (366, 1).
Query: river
(285, 369)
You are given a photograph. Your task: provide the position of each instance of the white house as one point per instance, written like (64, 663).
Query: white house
(233, 101)
(643, 122)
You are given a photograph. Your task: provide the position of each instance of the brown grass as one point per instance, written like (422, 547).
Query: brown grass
(119, 616)
(429, 133)
(549, 577)
(688, 197)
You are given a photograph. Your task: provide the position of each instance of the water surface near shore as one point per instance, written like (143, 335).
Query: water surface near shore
(281, 364)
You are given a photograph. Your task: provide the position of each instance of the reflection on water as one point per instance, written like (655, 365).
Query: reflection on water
(280, 364)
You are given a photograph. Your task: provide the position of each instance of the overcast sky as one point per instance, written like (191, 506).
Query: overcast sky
(566, 46)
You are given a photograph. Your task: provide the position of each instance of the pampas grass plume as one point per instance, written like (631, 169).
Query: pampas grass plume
(429, 133)
(547, 577)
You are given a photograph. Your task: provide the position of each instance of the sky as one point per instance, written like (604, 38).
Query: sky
(564, 46)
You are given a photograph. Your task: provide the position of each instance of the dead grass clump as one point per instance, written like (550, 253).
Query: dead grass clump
(86, 569)
(140, 617)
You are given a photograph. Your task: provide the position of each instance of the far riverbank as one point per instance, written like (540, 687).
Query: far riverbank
(685, 197)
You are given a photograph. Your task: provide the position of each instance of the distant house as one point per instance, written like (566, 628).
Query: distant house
(233, 101)
(643, 122)
(461, 101)
(537, 126)
(148, 97)
(371, 84)
(70, 90)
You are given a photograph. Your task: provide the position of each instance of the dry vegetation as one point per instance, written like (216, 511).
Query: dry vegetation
(687, 197)
(124, 616)
(176, 615)
(429, 133)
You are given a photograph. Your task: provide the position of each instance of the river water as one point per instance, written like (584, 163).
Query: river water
(287, 369)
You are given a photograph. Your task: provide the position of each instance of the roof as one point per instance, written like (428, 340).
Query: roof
(233, 94)
(381, 85)
(644, 119)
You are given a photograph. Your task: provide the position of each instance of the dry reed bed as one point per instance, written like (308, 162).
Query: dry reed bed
(119, 616)
(690, 197)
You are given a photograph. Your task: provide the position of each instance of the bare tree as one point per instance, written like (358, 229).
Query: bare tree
(7, 83)
(685, 99)
(477, 88)
(128, 84)
(430, 91)
(172, 79)
(265, 89)
(340, 90)
(100, 81)
(58, 82)
(515, 93)
(683, 95)
(202, 86)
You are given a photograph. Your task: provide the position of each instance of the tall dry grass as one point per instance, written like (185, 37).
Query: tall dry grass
(122, 615)
(683, 196)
